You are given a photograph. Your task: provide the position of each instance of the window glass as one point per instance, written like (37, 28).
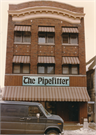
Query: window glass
(73, 38)
(50, 39)
(74, 69)
(25, 68)
(66, 69)
(42, 38)
(18, 36)
(50, 70)
(41, 69)
(26, 37)
(65, 38)
(11, 110)
(33, 110)
(16, 68)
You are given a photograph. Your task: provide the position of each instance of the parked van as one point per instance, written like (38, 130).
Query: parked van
(28, 118)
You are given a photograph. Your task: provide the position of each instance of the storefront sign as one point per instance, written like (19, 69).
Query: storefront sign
(45, 81)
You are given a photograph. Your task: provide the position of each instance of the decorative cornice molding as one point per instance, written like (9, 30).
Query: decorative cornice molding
(46, 12)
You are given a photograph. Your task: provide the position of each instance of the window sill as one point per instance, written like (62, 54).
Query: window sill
(26, 43)
(20, 73)
(71, 74)
(46, 44)
(71, 44)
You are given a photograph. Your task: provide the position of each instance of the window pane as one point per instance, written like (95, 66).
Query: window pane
(32, 111)
(74, 69)
(50, 70)
(65, 69)
(66, 38)
(16, 68)
(50, 39)
(25, 68)
(42, 38)
(26, 37)
(18, 36)
(73, 39)
(41, 69)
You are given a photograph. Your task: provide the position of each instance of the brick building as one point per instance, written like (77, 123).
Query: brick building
(91, 87)
(45, 58)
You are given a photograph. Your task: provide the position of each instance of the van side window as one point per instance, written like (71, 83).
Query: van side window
(33, 110)
(14, 110)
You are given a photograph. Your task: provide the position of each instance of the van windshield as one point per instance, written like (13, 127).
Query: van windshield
(46, 112)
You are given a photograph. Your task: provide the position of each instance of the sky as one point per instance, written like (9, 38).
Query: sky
(89, 23)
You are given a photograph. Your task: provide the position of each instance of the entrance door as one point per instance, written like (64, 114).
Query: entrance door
(73, 111)
(35, 125)
(69, 111)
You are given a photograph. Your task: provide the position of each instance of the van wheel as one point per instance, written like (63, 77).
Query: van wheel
(52, 132)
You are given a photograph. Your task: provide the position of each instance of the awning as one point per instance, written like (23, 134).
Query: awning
(46, 59)
(46, 29)
(70, 60)
(24, 93)
(21, 59)
(22, 28)
(70, 30)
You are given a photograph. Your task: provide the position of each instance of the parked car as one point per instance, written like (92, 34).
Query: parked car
(28, 118)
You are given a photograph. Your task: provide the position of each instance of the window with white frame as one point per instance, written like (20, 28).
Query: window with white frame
(45, 37)
(70, 38)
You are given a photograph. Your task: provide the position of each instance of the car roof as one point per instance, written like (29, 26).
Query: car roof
(19, 103)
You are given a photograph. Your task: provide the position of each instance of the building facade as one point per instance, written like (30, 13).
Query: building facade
(91, 87)
(45, 58)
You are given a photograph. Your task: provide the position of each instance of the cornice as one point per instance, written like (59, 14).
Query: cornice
(46, 12)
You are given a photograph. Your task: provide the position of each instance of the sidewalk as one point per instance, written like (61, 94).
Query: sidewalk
(77, 129)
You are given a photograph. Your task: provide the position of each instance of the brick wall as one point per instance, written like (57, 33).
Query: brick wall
(21, 49)
(70, 51)
(35, 50)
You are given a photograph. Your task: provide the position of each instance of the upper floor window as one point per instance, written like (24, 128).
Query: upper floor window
(22, 37)
(70, 69)
(46, 68)
(22, 34)
(21, 68)
(70, 35)
(68, 38)
(46, 35)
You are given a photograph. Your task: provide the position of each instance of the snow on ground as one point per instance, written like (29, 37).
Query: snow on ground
(81, 131)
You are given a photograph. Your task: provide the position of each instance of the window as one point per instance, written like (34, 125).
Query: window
(74, 69)
(22, 37)
(70, 69)
(45, 37)
(25, 68)
(13, 110)
(33, 110)
(70, 38)
(66, 69)
(16, 68)
(21, 68)
(46, 69)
